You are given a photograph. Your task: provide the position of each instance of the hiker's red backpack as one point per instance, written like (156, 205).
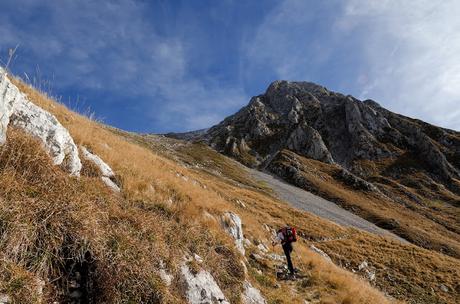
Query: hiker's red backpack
(289, 233)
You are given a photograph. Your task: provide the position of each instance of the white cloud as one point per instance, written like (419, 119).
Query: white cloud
(411, 55)
(403, 54)
(205, 105)
(280, 42)
(113, 47)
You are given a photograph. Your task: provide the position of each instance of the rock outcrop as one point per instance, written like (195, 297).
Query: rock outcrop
(306, 140)
(252, 295)
(108, 176)
(201, 288)
(18, 111)
(233, 226)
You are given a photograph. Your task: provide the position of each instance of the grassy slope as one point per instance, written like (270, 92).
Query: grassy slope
(402, 267)
(432, 222)
(405, 271)
(51, 223)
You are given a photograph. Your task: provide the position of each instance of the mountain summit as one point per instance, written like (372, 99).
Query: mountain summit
(316, 123)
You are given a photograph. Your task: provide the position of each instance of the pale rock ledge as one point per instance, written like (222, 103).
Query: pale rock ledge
(18, 111)
(107, 173)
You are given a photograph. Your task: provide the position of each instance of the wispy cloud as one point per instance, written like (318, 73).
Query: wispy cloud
(402, 53)
(411, 55)
(116, 47)
(163, 66)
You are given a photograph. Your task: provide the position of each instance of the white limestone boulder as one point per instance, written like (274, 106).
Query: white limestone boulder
(201, 288)
(252, 295)
(262, 248)
(18, 111)
(47, 128)
(444, 288)
(276, 257)
(107, 173)
(363, 265)
(232, 225)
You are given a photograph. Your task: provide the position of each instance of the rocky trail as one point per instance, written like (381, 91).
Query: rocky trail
(307, 201)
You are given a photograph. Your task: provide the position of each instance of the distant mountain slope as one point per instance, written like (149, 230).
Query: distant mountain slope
(191, 135)
(408, 164)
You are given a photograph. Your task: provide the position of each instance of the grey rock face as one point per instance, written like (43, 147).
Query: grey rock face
(17, 111)
(356, 182)
(330, 127)
(307, 141)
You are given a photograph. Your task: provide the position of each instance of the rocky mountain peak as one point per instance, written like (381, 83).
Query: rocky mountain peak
(282, 95)
(316, 123)
(295, 88)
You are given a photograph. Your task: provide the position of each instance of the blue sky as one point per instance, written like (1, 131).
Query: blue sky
(159, 66)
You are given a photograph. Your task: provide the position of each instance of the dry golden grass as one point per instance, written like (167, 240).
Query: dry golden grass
(263, 209)
(50, 222)
(416, 222)
(405, 271)
(412, 272)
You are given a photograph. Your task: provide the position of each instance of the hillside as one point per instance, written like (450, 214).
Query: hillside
(402, 270)
(400, 173)
(92, 214)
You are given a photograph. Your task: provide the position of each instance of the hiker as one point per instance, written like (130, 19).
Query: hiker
(286, 236)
